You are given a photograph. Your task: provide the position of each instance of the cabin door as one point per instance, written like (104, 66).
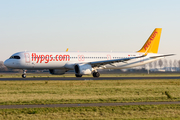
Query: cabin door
(27, 57)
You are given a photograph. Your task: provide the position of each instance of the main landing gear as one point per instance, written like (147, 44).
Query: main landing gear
(96, 74)
(24, 74)
(78, 75)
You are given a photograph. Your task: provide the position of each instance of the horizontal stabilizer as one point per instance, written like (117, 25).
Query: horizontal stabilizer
(162, 55)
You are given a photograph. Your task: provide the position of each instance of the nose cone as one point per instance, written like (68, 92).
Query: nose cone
(7, 63)
(11, 63)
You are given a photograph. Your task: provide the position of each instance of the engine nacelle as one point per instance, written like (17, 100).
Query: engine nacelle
(57, 71)
(83, 69)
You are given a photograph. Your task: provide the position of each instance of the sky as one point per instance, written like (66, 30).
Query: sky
(87, 25)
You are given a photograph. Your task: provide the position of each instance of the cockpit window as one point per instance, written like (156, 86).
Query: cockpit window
(14, 57)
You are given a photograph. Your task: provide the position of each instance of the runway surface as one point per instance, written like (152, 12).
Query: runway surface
(85, 105)
(89, 78)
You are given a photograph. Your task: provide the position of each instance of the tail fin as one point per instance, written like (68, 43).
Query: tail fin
(152, 44)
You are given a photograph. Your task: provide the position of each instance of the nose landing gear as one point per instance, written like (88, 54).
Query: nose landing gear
(24, 74)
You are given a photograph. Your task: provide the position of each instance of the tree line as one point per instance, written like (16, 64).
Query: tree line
(166, 64)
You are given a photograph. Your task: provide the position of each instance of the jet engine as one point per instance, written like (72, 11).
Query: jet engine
(57, 71)
(83, 69)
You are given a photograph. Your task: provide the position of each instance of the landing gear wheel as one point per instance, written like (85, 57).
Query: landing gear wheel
(78, 75)
(23, 75)
(96, 74)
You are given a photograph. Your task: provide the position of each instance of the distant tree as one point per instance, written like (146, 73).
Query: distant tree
(170, 64)
(160, 62)
(5, 68)
(143, 66)
(150, 65)
(2, 66)
(179, 64)
(155, 64)
(175, 64)
(165, 63)
(1, 63)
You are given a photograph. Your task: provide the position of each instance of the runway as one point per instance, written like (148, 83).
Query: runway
(85, 105)
(89, 78)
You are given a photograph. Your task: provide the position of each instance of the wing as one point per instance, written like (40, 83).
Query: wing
(104, 62)
(99, 63)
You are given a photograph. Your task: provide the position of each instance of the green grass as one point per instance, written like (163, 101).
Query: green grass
(136, 112)
(106, 91)
(35, 75)
(91, 91)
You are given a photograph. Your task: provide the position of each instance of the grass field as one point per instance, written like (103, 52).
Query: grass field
(91, 91)
(148, 112)
(54, 92)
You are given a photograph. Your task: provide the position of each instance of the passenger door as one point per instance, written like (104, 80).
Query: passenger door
(27, 57)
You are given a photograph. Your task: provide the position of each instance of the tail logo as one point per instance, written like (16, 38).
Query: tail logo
(150, 40)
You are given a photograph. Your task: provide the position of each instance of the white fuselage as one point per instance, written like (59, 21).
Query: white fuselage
(67, 60)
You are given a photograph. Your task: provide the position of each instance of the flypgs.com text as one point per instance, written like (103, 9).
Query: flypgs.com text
(150, 40)
(47, 58)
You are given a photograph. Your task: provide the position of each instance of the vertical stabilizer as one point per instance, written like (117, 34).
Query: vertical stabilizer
(152, 44)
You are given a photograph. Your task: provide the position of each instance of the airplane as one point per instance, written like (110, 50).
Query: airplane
(84, 63)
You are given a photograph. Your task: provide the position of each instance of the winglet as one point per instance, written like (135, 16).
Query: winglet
(152, 44)
(67, 49)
